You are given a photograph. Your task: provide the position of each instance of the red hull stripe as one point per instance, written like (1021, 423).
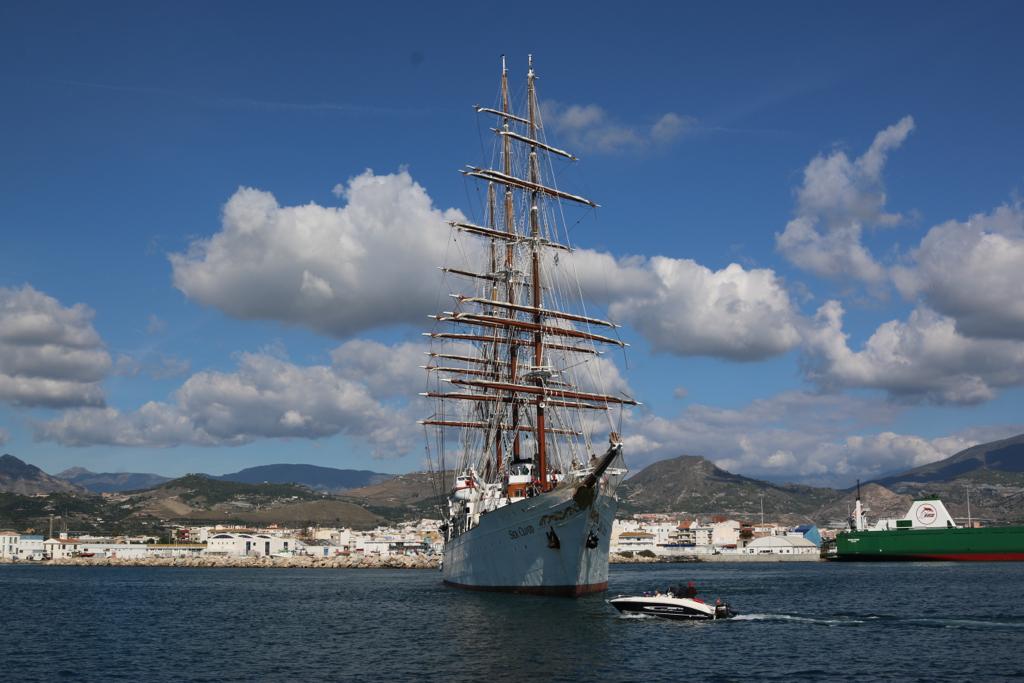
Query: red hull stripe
(975, 557)
(567, 591)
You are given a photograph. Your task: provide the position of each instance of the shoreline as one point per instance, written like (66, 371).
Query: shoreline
(721, 557)
(372, 562)
(221, 562)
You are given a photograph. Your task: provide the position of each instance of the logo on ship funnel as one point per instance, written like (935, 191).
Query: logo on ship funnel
(926, 514)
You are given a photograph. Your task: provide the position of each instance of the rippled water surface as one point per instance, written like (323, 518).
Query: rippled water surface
(924, 622)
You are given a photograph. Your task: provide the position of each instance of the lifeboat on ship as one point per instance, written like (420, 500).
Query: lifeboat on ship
(465, 484)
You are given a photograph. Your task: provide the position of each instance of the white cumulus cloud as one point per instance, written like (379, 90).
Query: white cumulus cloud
(972, 271)
(50, 354)
(589, 128)
(336, 270)
(924, 358)
(265, 397)
(838, 199)
(684, 308)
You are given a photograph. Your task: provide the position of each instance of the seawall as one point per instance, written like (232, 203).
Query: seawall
(721, 557)
(370, 562)
(214, 561)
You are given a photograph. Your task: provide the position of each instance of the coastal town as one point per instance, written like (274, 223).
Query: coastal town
(640, 538)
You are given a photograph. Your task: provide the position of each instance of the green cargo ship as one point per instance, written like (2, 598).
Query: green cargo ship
(927, 532)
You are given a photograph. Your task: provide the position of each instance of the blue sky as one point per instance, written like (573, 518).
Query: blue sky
(854, 157)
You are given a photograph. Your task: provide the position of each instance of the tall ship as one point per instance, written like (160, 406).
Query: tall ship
(926, 532)
(524, 440)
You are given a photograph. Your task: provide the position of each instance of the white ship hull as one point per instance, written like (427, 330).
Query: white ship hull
(510, 549)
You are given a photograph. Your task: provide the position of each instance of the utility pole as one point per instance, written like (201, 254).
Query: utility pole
(967, 488)
(761, 496)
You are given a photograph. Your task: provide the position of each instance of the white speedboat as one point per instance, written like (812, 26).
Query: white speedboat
(677, 603)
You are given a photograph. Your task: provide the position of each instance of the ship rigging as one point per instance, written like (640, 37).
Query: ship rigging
(517, 369)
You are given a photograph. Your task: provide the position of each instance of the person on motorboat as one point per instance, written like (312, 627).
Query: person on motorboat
(679, 591)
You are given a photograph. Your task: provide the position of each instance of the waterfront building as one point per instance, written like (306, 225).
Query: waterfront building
(781, 545)
(174, 549)
(9, 545)
(808, 531)
(701, 535)
(341, 538)
(725, 534)
(15, 546)
(257, 544)
(322, 548)
(765, 529)
(634, 542)
(620, 526)
(64, 548)
(190, 534)
(30, 547)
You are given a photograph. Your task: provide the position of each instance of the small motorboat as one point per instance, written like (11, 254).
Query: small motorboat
(677, 602)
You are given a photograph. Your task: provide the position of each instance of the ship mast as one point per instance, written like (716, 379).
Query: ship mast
(538, 334)
(510, 229)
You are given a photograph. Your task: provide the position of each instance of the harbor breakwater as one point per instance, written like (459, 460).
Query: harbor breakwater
(615, 558)
(214, 561)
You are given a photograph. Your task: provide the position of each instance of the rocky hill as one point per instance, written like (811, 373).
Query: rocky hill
(201, 499)
(191, 499)
(994, 462)
(691, 483)
(404, 496)
(879, 501)
(19, 477)
(110, 482)
(328, 479)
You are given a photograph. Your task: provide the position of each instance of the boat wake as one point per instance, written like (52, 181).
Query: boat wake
(796, 618)
(977, 623)
(970, 624)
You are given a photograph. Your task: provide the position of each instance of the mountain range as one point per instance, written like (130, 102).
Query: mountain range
(22, 478)
(19, 477)
(109, 482)
(693, 483)
(992, 462)
(991, 474)
(329, 479)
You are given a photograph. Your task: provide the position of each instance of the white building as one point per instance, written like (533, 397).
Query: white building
(781, 545)
(725, 534)
(64, 548)
(257, 544)
(321, 548)
(663, 531)
(175, 550)
(634, 542)
(9, 541)
(702, 536)
(31, 547)
(192, 534)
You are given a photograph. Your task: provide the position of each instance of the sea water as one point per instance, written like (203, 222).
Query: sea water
(798, 621)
